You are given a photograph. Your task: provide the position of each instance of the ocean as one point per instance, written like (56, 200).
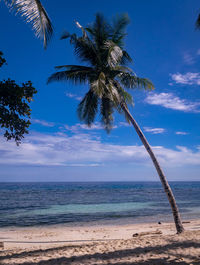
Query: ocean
(36, 204)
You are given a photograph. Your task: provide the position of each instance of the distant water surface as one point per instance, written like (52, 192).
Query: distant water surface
(28, 204)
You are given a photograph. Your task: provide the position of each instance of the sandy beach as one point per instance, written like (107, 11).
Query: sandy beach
(143, 244)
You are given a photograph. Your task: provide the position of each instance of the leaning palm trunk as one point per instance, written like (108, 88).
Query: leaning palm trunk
(107, 75)
(167, 189)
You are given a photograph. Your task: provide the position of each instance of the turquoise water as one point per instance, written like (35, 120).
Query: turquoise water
(26, 204)
(84, 209)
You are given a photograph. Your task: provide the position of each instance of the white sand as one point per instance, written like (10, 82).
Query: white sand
(59, 245)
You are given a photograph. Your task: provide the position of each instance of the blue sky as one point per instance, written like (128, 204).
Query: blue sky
(165, 47)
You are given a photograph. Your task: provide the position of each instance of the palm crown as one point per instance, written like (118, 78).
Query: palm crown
(101, 48)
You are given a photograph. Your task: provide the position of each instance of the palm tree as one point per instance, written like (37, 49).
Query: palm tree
(101, 47)
(33, 12)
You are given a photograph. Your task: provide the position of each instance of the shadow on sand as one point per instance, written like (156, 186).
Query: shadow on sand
(170, 257)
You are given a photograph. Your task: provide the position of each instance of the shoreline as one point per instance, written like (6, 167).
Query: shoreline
(45, 234)
(168, 218)
(165, 218)
(101, 244)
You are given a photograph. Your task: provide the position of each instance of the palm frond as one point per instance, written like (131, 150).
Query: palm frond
(99, 31)
(65, 35)
(99, 85)
(145, 83)
(126, 58)
(119, 70)
(76, 75)
(90, 30)
(120, 23)
(113, 93)
(132, 81)
(114, 53)
(107, 109)
(124, 96)
(33, 12)
(85, 50)
(75, 67)
(198, 22)
(88, 108)
(2, 59)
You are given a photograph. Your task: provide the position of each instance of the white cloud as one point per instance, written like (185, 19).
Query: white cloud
(170, 101)
(95, 126)
(154, 130)
(84, 165)
(186, 79)
(198, 52)
(188, 58)
(80, 126)
(84, 150)
(181, 133)
(43, 123)
(124, 124)
(70, 95)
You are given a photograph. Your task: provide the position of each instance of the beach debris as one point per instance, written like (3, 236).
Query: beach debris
(157, 232)
(1, 245)
(159, 223)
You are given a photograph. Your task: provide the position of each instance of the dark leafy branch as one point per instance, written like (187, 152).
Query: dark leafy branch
(14, 107)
